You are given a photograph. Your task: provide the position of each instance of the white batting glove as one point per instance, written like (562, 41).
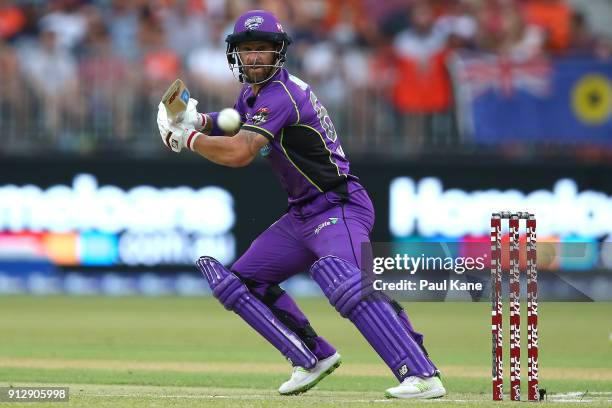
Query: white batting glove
(175, 137)
(192, 118)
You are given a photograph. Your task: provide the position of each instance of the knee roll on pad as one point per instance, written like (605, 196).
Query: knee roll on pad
(347, 295)
(343, 285)
(226, 287)
(373, 313)
(235, 296)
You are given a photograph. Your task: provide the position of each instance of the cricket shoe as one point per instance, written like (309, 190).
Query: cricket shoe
(303, 379)
(417, 387)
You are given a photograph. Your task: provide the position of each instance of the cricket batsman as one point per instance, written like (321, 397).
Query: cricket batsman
(328, 219)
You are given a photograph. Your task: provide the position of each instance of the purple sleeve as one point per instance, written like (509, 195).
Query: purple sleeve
(216, 130)
(272, 112)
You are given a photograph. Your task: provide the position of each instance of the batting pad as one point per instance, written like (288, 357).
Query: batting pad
(373, 315)
(235, 296)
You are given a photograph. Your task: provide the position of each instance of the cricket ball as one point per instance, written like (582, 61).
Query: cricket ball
(228, 120)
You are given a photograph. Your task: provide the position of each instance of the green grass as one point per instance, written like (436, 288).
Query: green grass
(190, 351)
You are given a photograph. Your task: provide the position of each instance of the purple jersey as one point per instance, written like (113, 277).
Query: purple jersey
(304, 148)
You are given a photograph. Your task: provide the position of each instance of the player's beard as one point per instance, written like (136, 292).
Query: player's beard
(257, 75)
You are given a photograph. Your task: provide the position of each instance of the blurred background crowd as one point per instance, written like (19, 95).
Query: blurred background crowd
(85, 76)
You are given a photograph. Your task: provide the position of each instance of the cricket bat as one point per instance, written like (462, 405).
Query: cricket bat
(175, 100)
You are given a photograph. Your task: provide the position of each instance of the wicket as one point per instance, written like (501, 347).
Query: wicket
(515, 306)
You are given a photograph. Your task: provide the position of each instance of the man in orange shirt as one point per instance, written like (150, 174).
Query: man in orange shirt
(555, 17)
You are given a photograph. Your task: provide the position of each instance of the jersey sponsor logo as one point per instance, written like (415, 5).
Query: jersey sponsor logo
(330, 221)
(253, 23)
(261, 116)
(265, 151)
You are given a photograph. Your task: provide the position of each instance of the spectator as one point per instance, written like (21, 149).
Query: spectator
(186, 28)
(12, 100)
(370, 59)
(280, 8)
(519, 40)
(12, 20)
(554, 17)
(338, 67)
(109, 91)
(28, 34)
(51, 73)
(504, 30)
(210, 74)
(160, 64)
(216, 10)
(582, 42)
(67, 22)
(389, 18)
(422, 86)
(122, 22)
(458, 25)
(306, 30)
(346, 22)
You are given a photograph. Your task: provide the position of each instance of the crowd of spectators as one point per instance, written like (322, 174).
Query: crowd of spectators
(86, 74)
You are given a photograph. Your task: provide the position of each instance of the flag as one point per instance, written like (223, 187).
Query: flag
(540, 100)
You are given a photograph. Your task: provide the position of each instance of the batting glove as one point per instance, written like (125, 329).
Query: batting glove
(175, 137)
(192, 118)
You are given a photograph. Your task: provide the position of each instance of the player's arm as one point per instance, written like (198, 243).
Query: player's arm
(232, 151)
(236, 151)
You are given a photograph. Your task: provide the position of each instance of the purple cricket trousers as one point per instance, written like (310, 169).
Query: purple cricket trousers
(331, 224)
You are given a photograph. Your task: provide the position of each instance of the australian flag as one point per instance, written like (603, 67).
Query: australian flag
(539, 100)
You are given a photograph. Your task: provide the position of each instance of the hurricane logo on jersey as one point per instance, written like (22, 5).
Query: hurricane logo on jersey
(261, 116)
(253, 23)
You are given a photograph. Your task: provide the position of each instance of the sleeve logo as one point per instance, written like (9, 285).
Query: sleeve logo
(265, 151)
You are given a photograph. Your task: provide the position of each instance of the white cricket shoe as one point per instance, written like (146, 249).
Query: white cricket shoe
(303, 379)
(417, 387)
